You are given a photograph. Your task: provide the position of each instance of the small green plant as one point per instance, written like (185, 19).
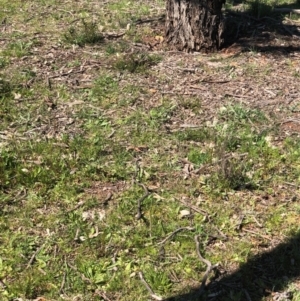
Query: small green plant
(87, 33)
(3, 62)
(19, 48)
(197, 156)
(234, 174)
(160, 114)
(136, 62)
(5, 87)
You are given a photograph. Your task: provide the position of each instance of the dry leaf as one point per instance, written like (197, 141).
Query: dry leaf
(184, 213)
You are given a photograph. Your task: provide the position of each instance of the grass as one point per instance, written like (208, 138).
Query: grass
(84, 126)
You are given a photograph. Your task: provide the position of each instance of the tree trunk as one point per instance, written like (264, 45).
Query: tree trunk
(194, 25)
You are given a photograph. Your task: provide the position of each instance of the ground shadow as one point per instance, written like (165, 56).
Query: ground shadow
(261, 28)
(263, 275)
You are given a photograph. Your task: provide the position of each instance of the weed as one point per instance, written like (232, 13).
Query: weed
(87, 33)
(136, 62)
(296, 74)
(193, 104)
(5, 88)
(198, 157)
(233, 174)
(20, 47)
(3, 62)
(161, 114)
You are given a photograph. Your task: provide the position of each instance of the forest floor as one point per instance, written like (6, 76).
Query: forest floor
(130, 171)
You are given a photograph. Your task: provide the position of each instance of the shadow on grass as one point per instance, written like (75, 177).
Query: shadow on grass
(261, 276)
(260, 28)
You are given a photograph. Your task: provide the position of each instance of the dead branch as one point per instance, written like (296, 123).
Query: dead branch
(141, 21)
(34, 255)
(78, 205)
(237, 96)
(258, 234)
(209, 268)
(287, 10)
(257, 222)
(103, 295)
(221, 233)
(240, 222)
(201, 211)
(66, 73)
(63, 282)
(175, 232)
(149, 289)
(77, 234)
(190, 126)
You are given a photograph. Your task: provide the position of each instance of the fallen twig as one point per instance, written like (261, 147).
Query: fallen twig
(237, 96)
(34, 255)
(190, 126)
(215, 81)
(258, 234)
(221, 233)
(257, 222)
(149, 289)
(291, 184)
(2, 285)
(177, 92)
(66, 73)
(175, 232)
(77, 234)
(63, 282)
(209, 268)
(287, 10)
(240, 222)
(288, 121)
(78, 205)
(140, 200)
(201, 211)
(112, 35)
(103, 295)
(140, 21)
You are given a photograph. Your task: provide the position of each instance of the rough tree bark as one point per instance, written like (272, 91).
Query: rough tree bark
(194, 25)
